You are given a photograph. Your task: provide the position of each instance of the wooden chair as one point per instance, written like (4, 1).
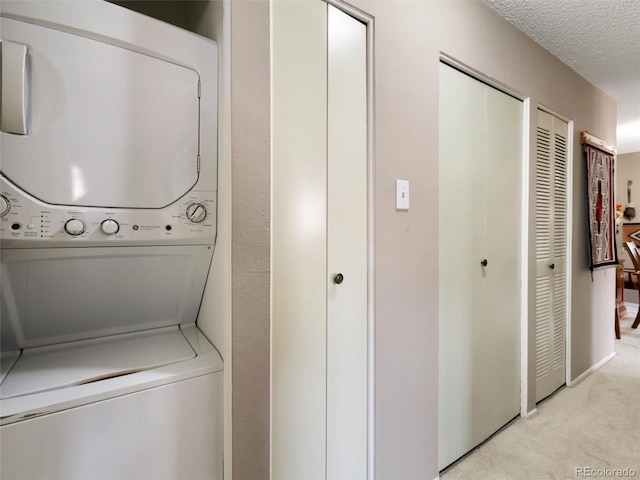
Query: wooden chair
(634, 273)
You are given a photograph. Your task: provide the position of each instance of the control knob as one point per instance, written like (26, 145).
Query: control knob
(74, 227)
(196, 212)
(5, 206)
(109, 226)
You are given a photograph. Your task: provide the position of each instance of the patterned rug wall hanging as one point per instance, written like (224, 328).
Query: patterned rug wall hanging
(602, 219)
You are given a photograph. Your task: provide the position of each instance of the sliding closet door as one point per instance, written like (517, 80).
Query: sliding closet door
(551, 254)
(480, 243)
(299, 241)
(319, 285)
(347, 248)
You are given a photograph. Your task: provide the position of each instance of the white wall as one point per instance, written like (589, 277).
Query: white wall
(628, 168)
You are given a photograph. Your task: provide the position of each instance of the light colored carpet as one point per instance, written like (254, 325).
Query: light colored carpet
(595, 424)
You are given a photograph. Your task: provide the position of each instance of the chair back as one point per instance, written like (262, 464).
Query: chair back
(634, 254)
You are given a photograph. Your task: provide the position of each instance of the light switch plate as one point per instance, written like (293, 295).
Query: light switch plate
(402, 194)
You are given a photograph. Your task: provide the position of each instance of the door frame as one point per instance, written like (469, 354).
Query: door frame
(525, 215)
(368, 22)
(569, 226)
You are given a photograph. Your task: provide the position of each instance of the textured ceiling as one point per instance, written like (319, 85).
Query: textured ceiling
(599, 39)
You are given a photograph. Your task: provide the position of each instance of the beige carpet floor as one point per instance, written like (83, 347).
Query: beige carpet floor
(594, 426)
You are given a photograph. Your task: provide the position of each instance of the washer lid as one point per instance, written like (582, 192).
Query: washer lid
(107, 126)
(77, 363)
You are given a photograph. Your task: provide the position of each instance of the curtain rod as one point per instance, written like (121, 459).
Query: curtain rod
(589, 139)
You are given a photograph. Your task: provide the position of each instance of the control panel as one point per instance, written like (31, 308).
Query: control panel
(28, 222)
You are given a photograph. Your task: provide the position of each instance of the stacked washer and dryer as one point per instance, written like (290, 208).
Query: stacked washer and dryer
(108, 223)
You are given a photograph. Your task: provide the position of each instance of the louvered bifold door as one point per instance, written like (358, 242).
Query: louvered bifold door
(551, 253)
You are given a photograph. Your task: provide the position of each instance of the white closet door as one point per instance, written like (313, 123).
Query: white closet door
(319, 336)
(503, 220)
(461, 227)
(299, 248)
(347, 249)
(480, 183)
(551, 253)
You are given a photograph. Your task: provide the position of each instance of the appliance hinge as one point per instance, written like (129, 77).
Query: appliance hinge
(199, 88)
(198, 163)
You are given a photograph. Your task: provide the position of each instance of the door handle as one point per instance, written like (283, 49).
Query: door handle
(338, 279)
(15, 88)
(552, 266)
(484, 262)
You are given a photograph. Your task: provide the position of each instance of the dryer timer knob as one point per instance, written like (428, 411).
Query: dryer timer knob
(74, 227)
(109, 226)
(196, 213)
(5, 206)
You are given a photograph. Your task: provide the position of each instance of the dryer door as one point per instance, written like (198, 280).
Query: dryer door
(106, 126)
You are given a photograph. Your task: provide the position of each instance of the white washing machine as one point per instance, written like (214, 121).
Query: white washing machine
(107, 229)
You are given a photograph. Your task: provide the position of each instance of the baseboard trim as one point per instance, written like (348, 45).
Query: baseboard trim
(595, 367)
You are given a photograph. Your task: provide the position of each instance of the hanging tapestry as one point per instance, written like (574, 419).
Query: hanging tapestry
(602, 244)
